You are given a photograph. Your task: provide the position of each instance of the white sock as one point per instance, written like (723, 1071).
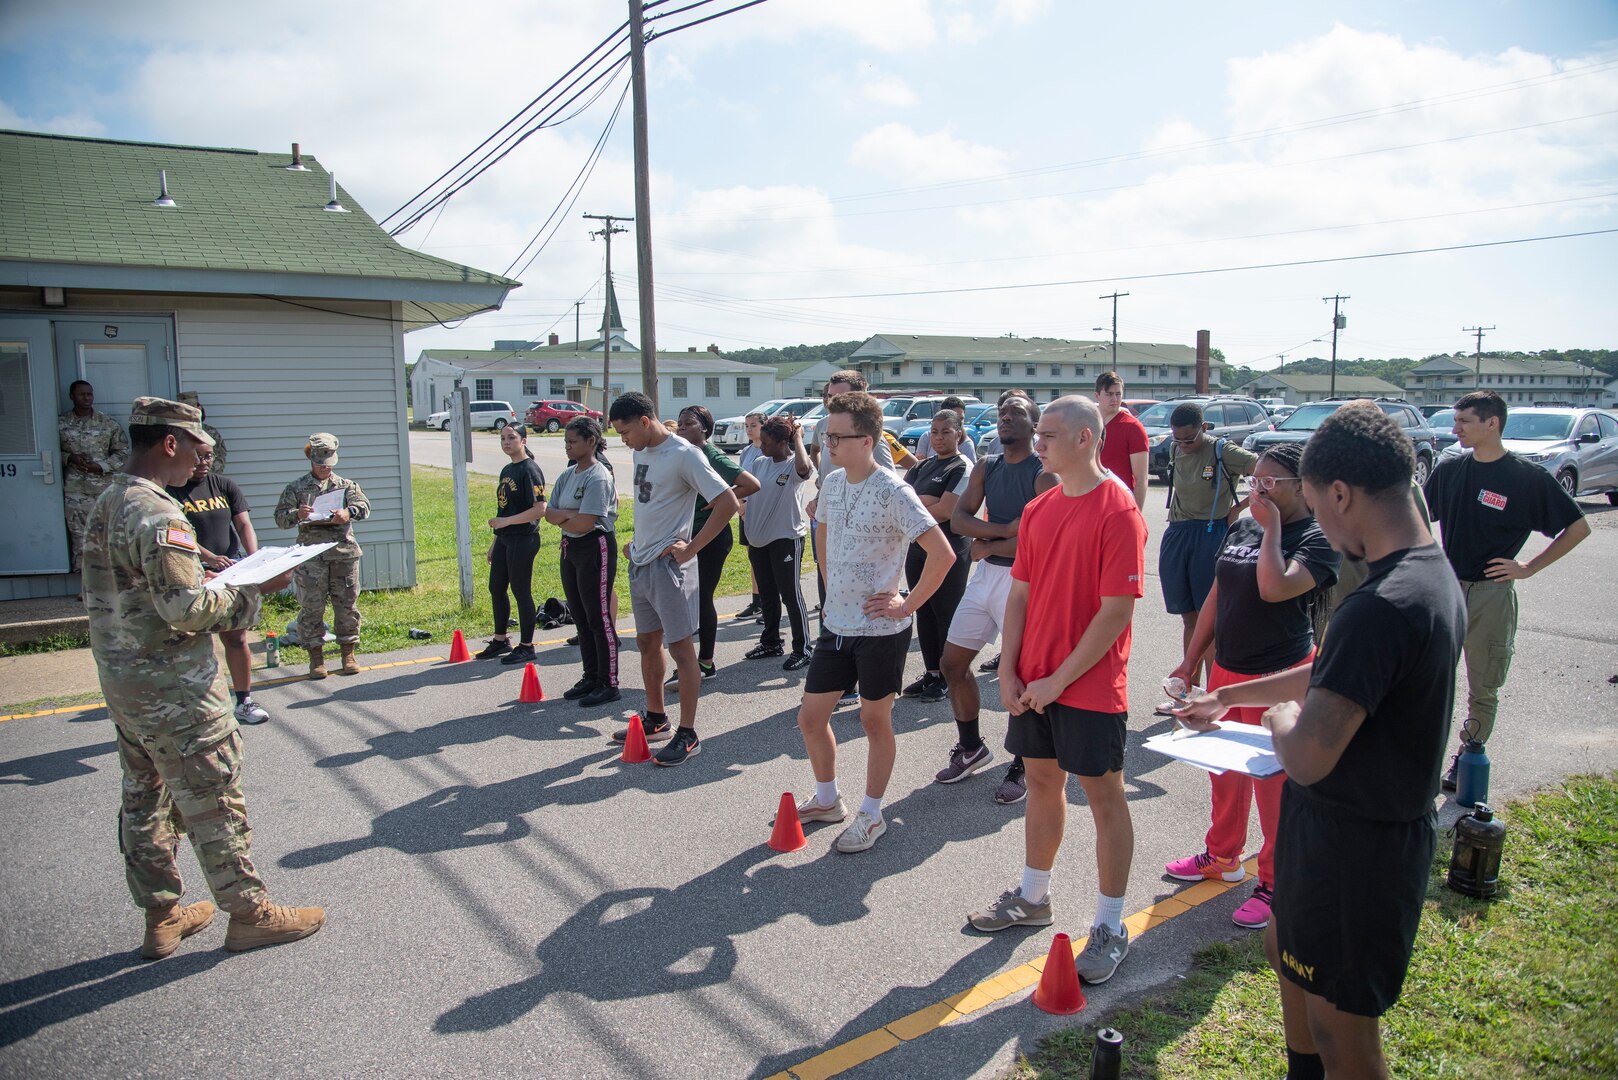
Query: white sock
(871, 806)
(826, 793)
(1036, 885)
(1110, 912)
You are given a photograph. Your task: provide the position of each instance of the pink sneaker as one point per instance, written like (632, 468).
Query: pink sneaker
(1255, 913)
(1199, 867)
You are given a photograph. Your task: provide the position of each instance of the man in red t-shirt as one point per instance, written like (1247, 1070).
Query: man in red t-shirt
(1124, 450)
(1064, 681)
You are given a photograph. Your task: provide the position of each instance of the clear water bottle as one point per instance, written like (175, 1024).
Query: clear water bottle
(1472, 775)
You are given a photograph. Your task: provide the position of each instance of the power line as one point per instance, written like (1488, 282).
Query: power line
(1187, 273)
(698, 22)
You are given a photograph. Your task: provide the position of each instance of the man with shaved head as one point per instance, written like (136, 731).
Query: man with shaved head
(1064, 673)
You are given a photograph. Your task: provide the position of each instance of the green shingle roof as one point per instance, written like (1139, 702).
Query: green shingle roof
(1018, 350)
(70, 201)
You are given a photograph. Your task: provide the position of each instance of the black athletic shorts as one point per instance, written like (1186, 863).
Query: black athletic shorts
(876, 663)
(1083, 742)
(1348, 896)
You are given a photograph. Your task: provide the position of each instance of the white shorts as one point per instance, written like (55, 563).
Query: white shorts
(982, 610)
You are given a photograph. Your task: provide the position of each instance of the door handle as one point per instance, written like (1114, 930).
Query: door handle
(47, 468)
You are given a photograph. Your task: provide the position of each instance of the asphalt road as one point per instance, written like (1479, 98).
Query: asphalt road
(433, 448)
(504, 895)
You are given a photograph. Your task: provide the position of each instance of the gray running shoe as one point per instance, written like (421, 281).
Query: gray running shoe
(1012, 910)
(863, 834)
(963, 763)
(249, 712)
(809, 811)
(1014, 788)
(1102, 954)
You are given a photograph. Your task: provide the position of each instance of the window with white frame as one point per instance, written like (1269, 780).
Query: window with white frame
(710, 386)
(1031, 370)
(949, 369)
(485, 390)
(559, 387)
(744, 386)
(896, 368)
(977, 369)
(1005, 369)
(679, 386)
(530, 388)
(926, 367)
(1056, 371)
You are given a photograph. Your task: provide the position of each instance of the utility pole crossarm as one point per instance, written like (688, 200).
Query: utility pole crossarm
(1477, 353)
(609, 226)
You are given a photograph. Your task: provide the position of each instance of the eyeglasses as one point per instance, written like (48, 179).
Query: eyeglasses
(1191, 441)
(1267, 483)
(833, 439)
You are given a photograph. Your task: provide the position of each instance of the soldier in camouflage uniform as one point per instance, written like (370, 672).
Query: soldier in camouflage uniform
(178, 744)
(335, 573)
(189, 397)
(94, 447)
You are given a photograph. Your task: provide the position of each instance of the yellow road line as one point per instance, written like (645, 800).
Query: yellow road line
(862, 1048)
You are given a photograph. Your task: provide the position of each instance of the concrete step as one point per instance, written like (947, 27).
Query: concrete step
(24, 622)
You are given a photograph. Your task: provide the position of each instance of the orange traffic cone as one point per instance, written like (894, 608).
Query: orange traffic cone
(457, 650)
(1058, 990)
(788, 834)
(635, 748)
(531, 690)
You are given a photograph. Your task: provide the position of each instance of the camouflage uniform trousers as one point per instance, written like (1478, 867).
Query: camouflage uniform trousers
(336, 579)
(78, 502)
(174, 785)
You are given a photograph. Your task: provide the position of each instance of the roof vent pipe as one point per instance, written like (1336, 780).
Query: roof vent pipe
(297, 160)
(334, 206)
(163, 198)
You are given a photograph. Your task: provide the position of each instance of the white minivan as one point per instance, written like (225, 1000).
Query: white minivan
(486, 415)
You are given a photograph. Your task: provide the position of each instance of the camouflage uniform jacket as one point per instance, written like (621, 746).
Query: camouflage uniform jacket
(302, 492)
(98, 437)
(150, 616)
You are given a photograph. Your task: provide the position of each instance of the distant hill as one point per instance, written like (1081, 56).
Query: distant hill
(1393, 370)
(835, 351)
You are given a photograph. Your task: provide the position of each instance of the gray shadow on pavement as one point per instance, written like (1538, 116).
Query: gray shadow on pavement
(607, 953)
(54, 766)
(36, 1002)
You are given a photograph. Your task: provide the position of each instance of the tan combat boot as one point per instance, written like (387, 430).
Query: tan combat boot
(271, 924)
(317, 662)
(351, 666)
(166, 926)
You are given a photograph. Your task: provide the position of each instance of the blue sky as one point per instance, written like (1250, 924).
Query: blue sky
(813, 160)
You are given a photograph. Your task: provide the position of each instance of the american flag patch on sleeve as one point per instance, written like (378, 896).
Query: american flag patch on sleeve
(174, 536)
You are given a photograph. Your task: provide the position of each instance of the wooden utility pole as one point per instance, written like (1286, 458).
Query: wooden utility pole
(460, 454)
(1114, 298)
(608, 227)
(643, 203)
(1477, 354)
(1337, 323)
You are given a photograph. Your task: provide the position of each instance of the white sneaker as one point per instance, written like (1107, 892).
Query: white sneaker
(863, 834)
(249, 712)
(809, 810)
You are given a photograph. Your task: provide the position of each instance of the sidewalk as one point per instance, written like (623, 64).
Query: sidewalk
(71, 673)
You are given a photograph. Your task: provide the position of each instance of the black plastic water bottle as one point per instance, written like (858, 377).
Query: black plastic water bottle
(1480, 844)
(1472, 775)
(1107, 1059)
(419, 635)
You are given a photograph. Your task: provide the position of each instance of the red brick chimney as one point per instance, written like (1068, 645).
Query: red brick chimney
(554, 340)
(714, 349)
(1203, 337)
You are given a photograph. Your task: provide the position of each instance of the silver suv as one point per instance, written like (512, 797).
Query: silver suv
(900, 411)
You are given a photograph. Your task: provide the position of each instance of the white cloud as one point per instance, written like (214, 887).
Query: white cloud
(73, 123)
(888, 90)
(899, 153)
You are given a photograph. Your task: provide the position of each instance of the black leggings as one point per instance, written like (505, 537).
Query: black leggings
(512, 566)
(710, 568)
(589, 574)
(778, 566)
(933, 618)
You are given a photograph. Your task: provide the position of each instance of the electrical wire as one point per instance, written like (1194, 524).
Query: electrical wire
(698, 22)
(515, 119)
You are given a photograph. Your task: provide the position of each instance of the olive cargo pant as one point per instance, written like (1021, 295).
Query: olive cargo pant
(1491, 636)
(187, 780)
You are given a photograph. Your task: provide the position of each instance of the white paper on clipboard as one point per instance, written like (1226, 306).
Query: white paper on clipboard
(266, 563)
(326, 504)
(1243, 748)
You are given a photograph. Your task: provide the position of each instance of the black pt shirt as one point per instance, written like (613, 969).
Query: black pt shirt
(521, 485)
(1489, 508)
(210, 504)
(1392, 649)
(1255, 636)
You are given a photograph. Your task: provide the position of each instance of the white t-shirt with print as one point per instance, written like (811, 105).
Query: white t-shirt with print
(869, 529)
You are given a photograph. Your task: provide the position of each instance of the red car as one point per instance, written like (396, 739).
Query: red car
(553, 415)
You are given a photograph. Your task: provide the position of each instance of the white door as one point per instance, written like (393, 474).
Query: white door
(35, 540)
(122, 358)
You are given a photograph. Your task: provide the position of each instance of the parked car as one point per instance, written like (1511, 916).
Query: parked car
(730, 434)
(554, 414)
(1281, 412)
(1429, 410)
(900, 411)
(1271, 404)
(980, 419)
(1577, 446)
(1233, 417)
(486, 415)
(1442, 421)
(1307, 417)
(1136, 406)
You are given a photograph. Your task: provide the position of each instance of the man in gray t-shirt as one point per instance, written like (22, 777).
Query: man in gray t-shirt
(669, 474)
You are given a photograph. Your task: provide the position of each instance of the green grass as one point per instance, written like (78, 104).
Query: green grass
(53, 643)
(1520, 986)
(434, 604)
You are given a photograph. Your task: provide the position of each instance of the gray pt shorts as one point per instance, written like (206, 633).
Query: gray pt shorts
(663, 596)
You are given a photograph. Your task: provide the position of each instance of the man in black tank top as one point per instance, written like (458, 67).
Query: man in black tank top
(1001, 485)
